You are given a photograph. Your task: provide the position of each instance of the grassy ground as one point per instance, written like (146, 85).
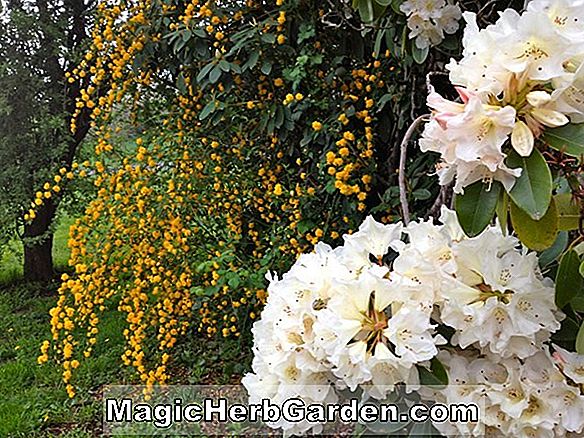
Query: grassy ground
(33, 401)
(11, 255)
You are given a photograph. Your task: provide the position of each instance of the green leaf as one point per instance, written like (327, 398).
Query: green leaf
(532, 191)
(502, 210)
(567, 332)
(568, 139)
(366, 11)
(383, 101)
(419, 55)
(439, 371)
(215, 74)
(207, 110)
(568, 212)
(181, 84)
(580, 340)
(388, 428)
(252, 61)
(476, 207)
(421, 194)
(378, 40)
(383, 3)
(305, 225)
(395, 5)
(233, 282)
(553, 252)
(536, 235)
(577, 303)
(269, 38)
(569, 282)
(224, 65)
(425, 429)
(266, 67)
(205, 71)
(435, 376)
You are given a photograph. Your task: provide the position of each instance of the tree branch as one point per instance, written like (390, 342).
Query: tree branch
(403, 194)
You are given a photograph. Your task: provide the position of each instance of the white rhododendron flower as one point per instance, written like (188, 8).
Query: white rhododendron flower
(572, 364)
(517, 78)
(470, 137)
(523, 398)
(364, 317)
(429, 20)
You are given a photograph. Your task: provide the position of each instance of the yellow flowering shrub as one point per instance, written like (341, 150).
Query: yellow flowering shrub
(260, 137)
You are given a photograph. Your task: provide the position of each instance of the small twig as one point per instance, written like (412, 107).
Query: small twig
(443, 198)
(403, 194)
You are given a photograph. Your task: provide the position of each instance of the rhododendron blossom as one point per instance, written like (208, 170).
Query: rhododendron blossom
(368, 315)
(429, 20)
(517, 78)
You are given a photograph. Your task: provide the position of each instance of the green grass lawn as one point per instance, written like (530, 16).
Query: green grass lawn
(11, 255)
(33, 401)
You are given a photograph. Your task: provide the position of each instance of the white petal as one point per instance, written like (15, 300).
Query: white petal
(522, 139)
(550, 118)
(538, 98)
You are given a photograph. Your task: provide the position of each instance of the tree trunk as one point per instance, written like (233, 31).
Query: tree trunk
(38, 245)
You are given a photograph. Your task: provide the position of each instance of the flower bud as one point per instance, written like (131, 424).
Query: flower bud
(550, 118)
(522, 139)
(538, 98)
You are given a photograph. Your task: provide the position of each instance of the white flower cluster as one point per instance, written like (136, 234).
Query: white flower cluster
(343, 319)
(520, 398)
(429, 20)
(518, 76)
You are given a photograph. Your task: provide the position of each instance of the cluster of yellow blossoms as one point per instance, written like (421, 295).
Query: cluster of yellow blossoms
(184, 227)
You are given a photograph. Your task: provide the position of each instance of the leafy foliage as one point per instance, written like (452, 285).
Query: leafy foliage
(264, 130)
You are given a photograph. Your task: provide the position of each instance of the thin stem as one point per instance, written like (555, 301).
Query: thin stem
(403, 194)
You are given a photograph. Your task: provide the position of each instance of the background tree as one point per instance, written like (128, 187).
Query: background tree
(39, 42)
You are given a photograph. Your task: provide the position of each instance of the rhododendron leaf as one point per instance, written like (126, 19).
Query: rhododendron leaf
(388, 428)
(205, 71)
(476, 207)
(435, 376)
(568, 212)
(439, 371)
(537, 235)
(395, 5)
(567, 332)
(424, 429)
(580, 340)
(569, 282)
(553, 252)
(503, 210)
(577, 303)
(568, 139)
(532, 191)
